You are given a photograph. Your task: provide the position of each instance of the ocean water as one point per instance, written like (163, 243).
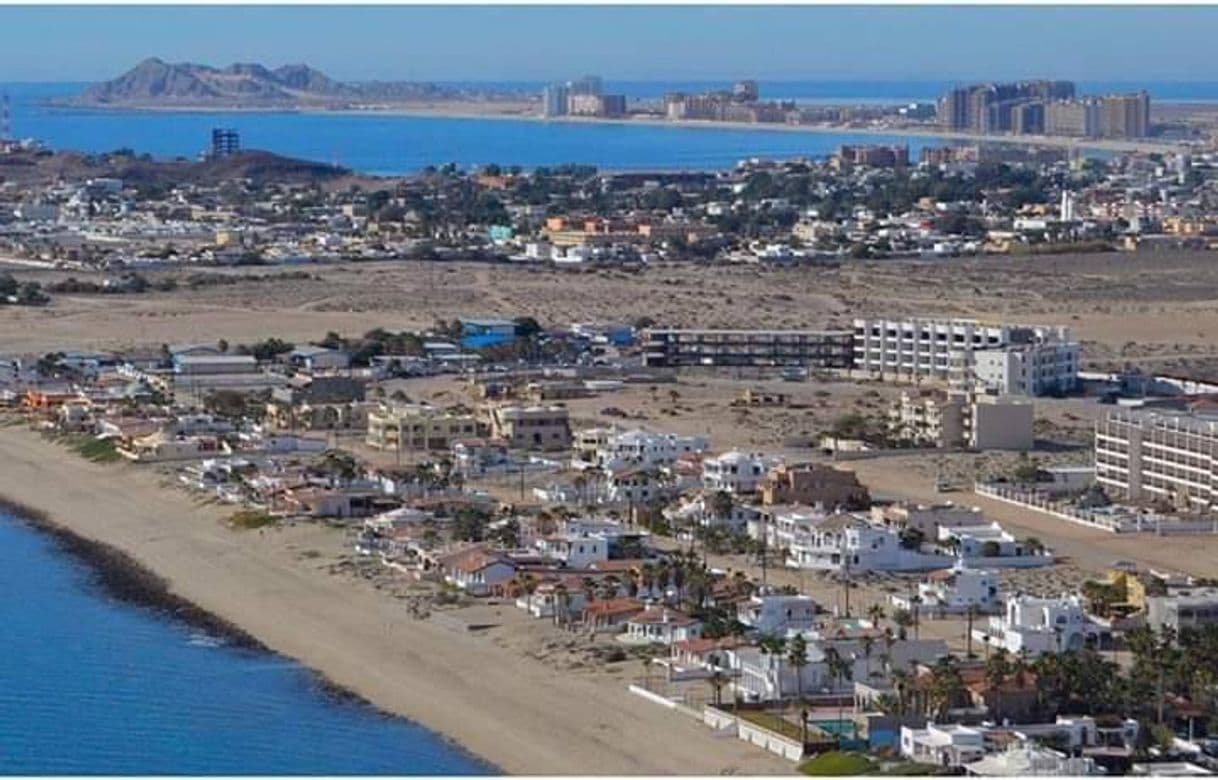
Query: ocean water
(390, 145)
(92, 686)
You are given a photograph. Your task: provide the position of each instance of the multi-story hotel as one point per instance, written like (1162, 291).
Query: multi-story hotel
(809, 348)
(1003, 359)
(1158, 456)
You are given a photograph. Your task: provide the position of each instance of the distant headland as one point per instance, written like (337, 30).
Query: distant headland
(156, 84)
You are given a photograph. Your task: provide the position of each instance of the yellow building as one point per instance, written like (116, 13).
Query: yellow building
(419, 427)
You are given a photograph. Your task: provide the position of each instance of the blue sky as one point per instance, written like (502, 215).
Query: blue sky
(624, 43)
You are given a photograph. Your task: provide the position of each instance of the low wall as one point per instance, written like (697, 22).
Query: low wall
(1112, 525)
(764, 738)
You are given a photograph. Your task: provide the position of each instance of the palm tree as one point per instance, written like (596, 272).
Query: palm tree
(647, 578)
(946, 685)
(875, 613)
(900, 683)
(903, 619)
(797, 657)
(868, 644)
(562, 600)
(840, 670)
(997, 671)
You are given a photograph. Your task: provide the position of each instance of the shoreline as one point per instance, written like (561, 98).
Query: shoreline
(516, 715)
(449, 112)
(119, 576)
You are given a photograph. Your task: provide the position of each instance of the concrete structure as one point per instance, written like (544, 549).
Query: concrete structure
(957, 419)
(736, 472)
(955, 591)
(1183, 608)
(845, 543)
(992, 545)
(947, 746)
(661, 625)
(810, 348)
(929, 419)
(418, 427)
(1019, 359)
(1158, 456)
(1027, 760)
(777, 613)
(225, 141)
(313, 358)
(927, 518)
(1038, 625)
(1000, 423)
(532, 427)
(197, 365)
(1043, 368)
(610, 449)
(813, 484)
(575, 550)
(554, 100)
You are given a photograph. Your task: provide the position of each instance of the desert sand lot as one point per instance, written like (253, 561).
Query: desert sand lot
(1156, 309)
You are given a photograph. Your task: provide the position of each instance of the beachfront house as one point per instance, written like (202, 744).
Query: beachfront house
(991, 545)
(735, 472)
(476, 570)
(1040, 625)
(777, 613)
(661, 625)
(942, 745)
(955, 591)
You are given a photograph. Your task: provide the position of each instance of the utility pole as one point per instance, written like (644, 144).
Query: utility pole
(968, 636)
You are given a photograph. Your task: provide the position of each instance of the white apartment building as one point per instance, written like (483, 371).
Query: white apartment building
(609, 449)
(1158, 455)
(736, 472)
(1041, 368)
(947, 351)
(845, 543)
(1040, 625)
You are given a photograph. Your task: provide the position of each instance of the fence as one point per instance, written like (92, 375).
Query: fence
(1127, 523)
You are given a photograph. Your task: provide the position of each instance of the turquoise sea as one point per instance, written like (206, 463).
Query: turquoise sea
(93, 686)
(389, 145)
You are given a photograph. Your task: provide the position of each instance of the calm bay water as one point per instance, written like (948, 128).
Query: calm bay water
(388, 145)
(92, 686)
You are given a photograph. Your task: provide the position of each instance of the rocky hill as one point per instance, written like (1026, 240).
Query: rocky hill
(155, 83)
(259, 167)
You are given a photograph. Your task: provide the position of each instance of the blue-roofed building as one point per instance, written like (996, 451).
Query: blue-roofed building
(479, 334)
(500, 234)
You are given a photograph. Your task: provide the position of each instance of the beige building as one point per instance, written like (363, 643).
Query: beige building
(1001, 423)
(929, 419)
(419, 427)
(950, 420)
(1153, 456)
(532, 427)
(812, 484)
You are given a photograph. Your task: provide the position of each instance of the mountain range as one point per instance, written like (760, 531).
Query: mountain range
(156, 83)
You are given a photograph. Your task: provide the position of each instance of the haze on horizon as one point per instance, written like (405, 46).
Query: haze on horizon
(636, 43)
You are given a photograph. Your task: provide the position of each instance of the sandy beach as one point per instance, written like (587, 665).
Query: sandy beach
(513, 711)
